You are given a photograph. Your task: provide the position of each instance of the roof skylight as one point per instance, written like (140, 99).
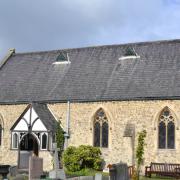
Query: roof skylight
(129, 54)
(62, 58)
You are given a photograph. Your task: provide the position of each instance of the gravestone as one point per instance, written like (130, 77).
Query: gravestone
(35, 167)
(98, 176)
(56, 173)
(119, 172)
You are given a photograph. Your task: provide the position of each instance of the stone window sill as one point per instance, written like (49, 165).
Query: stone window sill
(166, 150)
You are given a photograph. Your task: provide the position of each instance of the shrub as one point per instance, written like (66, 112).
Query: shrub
(82, 157)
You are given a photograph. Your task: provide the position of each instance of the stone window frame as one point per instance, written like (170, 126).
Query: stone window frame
(101, 119)
(12, 140)
(1, 130)
(167, 119)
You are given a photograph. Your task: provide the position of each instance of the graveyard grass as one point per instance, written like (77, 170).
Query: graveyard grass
(155, 178)
(88, 172)
(91, 172)
(85, 172)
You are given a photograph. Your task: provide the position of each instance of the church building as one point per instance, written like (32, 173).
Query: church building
(103, 96)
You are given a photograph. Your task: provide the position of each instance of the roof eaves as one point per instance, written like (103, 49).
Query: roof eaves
(96, 100)
(7, 56)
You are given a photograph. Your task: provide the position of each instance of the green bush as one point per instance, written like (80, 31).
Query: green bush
(82, 157)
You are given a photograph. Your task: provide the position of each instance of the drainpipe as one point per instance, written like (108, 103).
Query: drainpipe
(66, 135)
(133, 148)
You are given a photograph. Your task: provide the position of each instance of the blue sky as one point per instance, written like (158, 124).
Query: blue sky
(35, 25)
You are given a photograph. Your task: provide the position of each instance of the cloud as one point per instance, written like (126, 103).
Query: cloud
(45, 24)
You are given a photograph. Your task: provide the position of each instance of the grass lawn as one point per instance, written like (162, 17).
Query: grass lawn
(155, 178)
(90, 172)
(85, 172)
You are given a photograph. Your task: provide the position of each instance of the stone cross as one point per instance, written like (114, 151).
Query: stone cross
(55, 156)
(56, 173)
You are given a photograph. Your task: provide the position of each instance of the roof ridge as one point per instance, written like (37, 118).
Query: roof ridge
(103, 46)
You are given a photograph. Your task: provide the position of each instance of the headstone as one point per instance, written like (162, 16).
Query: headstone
(35, 167)
(98, 176)
(13, 170)
(56, 173)
(119, 172)
(86, 178)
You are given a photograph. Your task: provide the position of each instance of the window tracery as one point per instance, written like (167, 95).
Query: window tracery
(166, 133)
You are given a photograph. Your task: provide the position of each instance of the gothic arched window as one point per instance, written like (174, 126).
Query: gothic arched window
(166, 130)
(0, 134)
(101, 129)
(44, 141)
(15, 141)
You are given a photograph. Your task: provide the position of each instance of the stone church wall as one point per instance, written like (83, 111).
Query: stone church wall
(143, 114)
(9, 113)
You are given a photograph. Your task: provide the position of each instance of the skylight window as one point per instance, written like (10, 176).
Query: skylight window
(129, 54)
(62, 58)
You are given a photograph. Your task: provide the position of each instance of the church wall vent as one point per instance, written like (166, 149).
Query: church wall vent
(129, 53)
(62, 58)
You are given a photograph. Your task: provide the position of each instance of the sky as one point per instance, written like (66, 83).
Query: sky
(37, 25)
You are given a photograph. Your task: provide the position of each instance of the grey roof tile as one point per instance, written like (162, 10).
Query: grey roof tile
(94, 74)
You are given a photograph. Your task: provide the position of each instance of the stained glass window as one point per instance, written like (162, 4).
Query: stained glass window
(171, 135)
(166, 139)
(105, 134)
(0, 134)
(44, 141)
(162, 135)
(101, 129)
(97, 134)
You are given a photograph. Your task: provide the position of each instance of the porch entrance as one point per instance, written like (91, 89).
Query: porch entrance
(28, 146)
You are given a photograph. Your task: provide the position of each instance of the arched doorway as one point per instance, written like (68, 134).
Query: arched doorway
(28, 146)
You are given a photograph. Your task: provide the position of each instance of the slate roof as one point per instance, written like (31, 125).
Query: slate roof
(43, 113)
(94, 74)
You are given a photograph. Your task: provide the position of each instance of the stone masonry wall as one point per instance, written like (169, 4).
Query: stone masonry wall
(144, 114)
(9, 114)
